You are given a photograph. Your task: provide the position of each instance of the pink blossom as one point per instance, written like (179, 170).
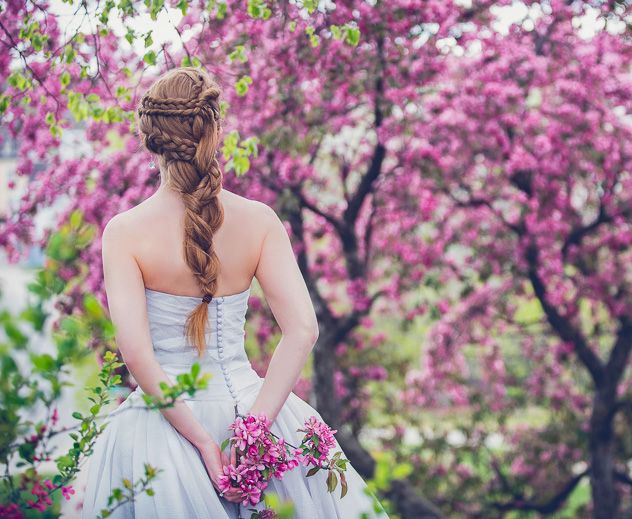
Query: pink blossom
(67, 492)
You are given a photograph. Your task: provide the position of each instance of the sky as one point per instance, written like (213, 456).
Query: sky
(164, 27)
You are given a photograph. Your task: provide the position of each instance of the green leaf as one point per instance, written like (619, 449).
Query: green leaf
(352, 35)
(401, 470)
(150, 57)
(75, 219)
(241, 86)
(155, 6)
(92, 306)
(4, 103)
(44, 362)
(26, 451)
(343, 483)
(17, 80)
(258, 9)
(183, 5)
(341, 463)
(130, 36)
(332, 481)
(310, 5)
(109, 356)
(64, 78)
(238, 54)
(64, 462)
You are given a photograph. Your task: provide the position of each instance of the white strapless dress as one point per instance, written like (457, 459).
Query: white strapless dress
(136, 435)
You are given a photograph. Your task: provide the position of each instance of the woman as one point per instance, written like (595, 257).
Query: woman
(177, 270)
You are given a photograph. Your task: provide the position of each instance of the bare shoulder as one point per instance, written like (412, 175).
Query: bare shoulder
(269, 221)
(265, 212)
(255, 214)
(136, 221)
(118, 230)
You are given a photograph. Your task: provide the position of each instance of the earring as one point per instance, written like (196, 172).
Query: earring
(152, 165)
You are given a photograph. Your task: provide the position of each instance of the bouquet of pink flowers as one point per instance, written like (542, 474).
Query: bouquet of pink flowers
(261, 455)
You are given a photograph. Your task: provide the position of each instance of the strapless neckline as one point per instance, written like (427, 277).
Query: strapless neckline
(227, 296)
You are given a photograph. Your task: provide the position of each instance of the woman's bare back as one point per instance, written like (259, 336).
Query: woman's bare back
(158, 223)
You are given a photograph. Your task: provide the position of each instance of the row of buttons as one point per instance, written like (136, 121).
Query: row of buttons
(220, 351)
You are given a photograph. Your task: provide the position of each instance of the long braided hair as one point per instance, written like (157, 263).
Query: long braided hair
(179, 120)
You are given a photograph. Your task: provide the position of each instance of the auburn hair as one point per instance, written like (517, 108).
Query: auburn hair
(179, 121)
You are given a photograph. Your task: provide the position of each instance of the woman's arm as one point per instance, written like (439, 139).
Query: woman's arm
(286, 293)
(128, 310)
(127, 305)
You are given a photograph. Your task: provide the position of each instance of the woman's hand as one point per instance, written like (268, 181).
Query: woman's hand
(214, 460)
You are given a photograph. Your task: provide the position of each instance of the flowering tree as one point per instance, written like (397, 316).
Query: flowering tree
(411, 149)
(529, 156)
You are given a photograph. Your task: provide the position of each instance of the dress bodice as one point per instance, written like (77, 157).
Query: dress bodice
(225, 355)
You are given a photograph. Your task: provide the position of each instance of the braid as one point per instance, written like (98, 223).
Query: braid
(184, 132)
(179, 107)
(173, 148)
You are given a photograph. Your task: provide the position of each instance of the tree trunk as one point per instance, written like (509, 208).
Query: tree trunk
(602, 474)
(324, 388)
(409, 504)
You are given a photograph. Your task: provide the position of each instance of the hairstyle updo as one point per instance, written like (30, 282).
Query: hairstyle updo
(179, 121)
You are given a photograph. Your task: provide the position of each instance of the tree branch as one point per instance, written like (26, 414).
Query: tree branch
(623, 477)
(578, 234)
(364, 188)
(547, 507)
(300, 196)
(620, 353)
(375, 167)
(14, 46)
(562, 325)
(622, 405)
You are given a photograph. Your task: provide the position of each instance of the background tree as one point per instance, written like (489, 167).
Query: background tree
(528, 153)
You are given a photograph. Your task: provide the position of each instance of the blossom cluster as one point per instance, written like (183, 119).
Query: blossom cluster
(42, 494)
(261, 454)
(317, 442)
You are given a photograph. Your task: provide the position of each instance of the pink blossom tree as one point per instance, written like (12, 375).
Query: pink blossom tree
(528, 151)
